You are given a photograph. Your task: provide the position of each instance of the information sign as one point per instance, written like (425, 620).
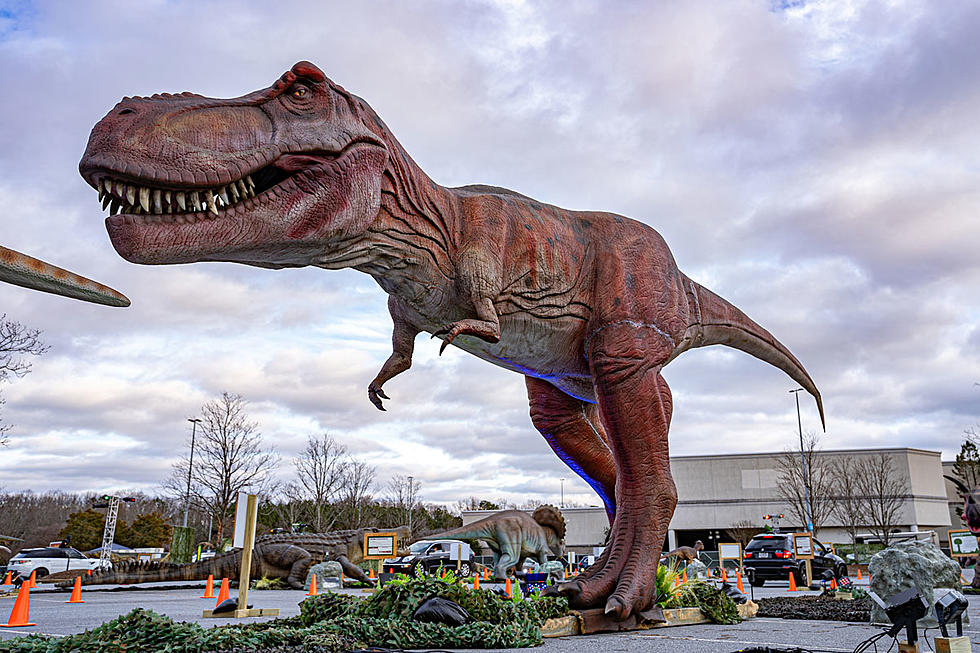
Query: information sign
(963, 544)
(803, 546)
(380, 545)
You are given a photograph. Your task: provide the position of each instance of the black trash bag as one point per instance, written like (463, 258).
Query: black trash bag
(437, 610)
(734, 594)
(228, 605)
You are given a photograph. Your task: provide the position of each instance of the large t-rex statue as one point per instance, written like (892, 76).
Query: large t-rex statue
(514, 535)
(283, 555)
(589, 306)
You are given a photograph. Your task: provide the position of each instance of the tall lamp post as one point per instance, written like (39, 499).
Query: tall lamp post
(190, 466)
(562, 493)
(806, 484)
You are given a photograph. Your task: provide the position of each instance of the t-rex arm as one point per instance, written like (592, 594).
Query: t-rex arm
(402, 344)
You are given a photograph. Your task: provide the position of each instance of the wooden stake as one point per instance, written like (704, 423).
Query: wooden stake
(250, 516)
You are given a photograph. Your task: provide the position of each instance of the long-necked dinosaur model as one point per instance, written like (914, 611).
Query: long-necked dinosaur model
(285, 555)
(588, 306)
(514, 535)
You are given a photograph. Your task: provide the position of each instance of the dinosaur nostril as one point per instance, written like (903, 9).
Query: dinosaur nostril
(123, 112)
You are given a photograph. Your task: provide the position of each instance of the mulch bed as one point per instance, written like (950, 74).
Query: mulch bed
(817, 608)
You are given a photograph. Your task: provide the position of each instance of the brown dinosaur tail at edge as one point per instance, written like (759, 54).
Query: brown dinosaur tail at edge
(721, 323)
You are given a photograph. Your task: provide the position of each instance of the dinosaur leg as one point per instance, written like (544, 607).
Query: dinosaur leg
(504, 563)
(635, 404)
(574, 431)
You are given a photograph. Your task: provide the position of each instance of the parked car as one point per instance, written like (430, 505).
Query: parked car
(50, 560)
(426, 557)
(770, 557)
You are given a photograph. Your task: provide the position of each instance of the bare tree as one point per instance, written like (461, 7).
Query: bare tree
(355, 492)
(795, 485)
(849, 505)
(882, 494)
(403, 493)
(743, 531)
(320, 470)
(17, 344)
(229, 458)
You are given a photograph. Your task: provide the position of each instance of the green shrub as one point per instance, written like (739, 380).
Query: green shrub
(714, 603)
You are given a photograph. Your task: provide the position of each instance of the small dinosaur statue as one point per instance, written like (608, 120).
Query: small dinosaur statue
(282, 555)
(514, 535)
(588, 306)
(686, 553)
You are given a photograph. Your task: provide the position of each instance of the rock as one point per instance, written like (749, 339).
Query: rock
(326, 572)
(912, 564)
(697, 569)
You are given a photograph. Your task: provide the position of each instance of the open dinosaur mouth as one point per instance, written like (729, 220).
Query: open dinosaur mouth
(145, 197)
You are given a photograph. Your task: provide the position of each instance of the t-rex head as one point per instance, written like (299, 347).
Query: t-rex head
(277, 178)
(971, 504)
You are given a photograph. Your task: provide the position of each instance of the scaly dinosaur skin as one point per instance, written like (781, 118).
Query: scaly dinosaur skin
(23, 270)
(514, 535)
(589, 306)
(283, 555)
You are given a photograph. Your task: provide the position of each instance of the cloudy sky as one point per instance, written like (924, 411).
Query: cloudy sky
(816, 163)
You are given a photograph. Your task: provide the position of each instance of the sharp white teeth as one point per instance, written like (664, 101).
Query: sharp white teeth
(131, 195)
(181, 201)
(223, 194)
(211, 204)
(233, 191)
(119, 189)
(243, 189)
(251, 184)
(167, 197)
(195, 201)
(101, 192)
(145, 198)
(157, 205)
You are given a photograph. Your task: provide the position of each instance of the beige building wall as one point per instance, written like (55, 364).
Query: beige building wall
(715, 492)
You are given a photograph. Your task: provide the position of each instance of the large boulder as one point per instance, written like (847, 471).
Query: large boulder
(912, 564)
(697, 569)
(327, 574)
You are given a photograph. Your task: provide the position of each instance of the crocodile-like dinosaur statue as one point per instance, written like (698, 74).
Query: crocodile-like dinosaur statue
(514, 535)
(589, 306)
(282, 555)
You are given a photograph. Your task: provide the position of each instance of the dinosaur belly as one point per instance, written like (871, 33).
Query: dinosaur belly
(548, 349)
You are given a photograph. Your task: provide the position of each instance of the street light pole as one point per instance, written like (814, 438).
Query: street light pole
(806, 484)
(411, 500)
(562, 492)
(190, 466)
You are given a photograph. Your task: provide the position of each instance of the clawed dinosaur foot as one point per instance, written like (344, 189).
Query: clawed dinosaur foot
(376, 394)
(479, 328)
(623, 583)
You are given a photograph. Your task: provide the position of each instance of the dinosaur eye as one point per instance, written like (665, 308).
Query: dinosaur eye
(300, 91)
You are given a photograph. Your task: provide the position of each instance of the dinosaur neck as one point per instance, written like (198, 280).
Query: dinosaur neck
(415, 232)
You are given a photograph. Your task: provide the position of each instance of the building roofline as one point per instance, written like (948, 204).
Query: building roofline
(767, 454)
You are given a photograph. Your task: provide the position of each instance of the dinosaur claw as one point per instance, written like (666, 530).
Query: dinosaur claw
(615, 608)
(381, 393)
(445, 343)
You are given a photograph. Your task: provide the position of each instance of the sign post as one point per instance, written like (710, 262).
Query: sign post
(963, 544)
(246, 514)
(803, 550)
(731, 551)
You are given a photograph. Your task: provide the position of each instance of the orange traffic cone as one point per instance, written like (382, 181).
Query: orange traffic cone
(223, 592)
(724, 575)
(476, 581)
(833, 584)
(709, 572)
(508, 589)
(6, 581)
(312, 591)
(792, 582)
(76, 591)
(33, 579)
(371, 573)
(677, 582)
(859, 573)
(486, 574)
(684, 575)
(22, 607)
(342, 579)
(88, 573)
(209, 588)
(738, 582)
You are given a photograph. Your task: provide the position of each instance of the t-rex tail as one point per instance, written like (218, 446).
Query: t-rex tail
(718, 322)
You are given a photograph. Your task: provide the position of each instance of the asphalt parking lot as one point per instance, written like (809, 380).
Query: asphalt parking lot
(54, 617)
